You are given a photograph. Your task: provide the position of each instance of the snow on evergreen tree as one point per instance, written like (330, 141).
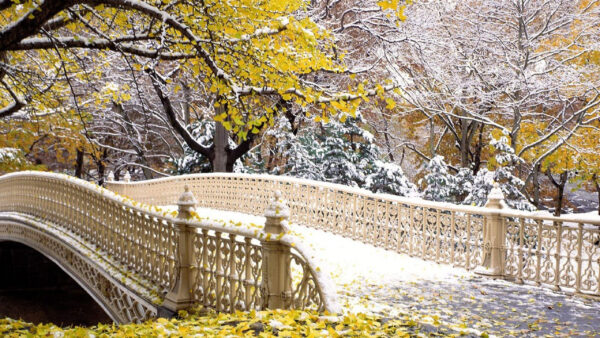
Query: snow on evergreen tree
(349, 152)
(240, 166)
(300, 163)
(389, 178)
(338, 152)
(366, 154)
(440, 184)
(12, 159)
(338, 163)
(483, 183)
(511, 185)
(463, 184)
(296, 152)
(192, 161)
(445, 187)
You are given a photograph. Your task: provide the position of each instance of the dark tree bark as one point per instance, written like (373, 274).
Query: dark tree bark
(560, 187)
(597, 186)
(220, 161)
(220, 155)
(31, 22)
(101, 166)
(536, 186)
(79, 164)
(478, 148)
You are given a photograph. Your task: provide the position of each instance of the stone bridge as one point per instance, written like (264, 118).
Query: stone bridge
(139, 262)
(526, 247)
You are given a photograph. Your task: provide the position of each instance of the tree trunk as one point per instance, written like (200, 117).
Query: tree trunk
(186, 104)
(79, 164)
(102, 166)
(388, 145)
(464, 144)
(477, 156)
(431, 137)
(560, 186)
(402, 156)
(559, 200)
(386, 137)
(536, 186)
(219, 162)
(597, 186)
(147, 172)
(271, 162)
(514, 135)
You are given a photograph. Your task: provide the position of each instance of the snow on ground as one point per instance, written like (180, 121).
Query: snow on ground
(442, 298)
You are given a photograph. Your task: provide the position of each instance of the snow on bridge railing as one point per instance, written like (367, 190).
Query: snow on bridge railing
(495, 240)
(190, 260)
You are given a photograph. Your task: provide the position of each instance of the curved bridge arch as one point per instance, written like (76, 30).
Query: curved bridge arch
(121, 304)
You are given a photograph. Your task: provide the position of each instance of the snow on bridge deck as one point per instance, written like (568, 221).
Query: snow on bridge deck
(444, 299)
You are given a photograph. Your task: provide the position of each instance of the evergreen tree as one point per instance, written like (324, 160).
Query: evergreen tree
(463, 184)
(389, 178)
(296, 153)
(339, 152)
(192, 161)
(511, 185)
(338, 163)
(349, 151)
(440, 184)
(483, 183)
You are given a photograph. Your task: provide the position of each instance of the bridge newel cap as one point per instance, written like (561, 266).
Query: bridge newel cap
(495, 197)
(187, 199)
(111, 176)
(127, 176)
(278, 207)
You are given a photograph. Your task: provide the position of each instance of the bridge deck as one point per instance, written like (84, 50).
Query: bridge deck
(378, 281)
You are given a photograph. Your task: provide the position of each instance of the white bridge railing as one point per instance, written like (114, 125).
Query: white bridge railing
(559, 251)
(187, 260)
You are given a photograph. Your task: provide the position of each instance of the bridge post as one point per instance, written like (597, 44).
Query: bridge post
(180, 296)
(494, 236)
(276, 257)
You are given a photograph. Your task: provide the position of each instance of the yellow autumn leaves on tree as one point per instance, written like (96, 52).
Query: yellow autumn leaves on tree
(250, 55)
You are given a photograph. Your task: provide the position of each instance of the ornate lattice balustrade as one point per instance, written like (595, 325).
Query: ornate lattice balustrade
(562, 252)
(137, 260)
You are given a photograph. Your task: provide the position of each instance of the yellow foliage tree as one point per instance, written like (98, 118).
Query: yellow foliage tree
(253, 57)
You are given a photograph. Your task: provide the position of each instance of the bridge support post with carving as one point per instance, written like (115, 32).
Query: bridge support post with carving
(494, 236)
(179, 297)
(277, 281)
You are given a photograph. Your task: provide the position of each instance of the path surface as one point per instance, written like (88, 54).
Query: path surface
(441, 298)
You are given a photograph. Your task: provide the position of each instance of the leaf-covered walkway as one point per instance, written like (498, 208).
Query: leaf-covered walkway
(444, 299)
(440, 298)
